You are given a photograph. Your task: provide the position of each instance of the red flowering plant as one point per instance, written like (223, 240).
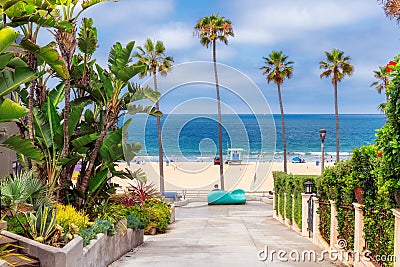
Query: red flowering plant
(390, 66)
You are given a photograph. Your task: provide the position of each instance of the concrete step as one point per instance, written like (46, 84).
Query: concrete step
(27, 261)
(6, 240)
(24, 261)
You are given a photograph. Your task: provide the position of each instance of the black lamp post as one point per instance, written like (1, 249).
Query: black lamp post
(308, 185)
(322, 134)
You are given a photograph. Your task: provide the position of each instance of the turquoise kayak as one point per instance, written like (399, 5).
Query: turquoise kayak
(222, 197)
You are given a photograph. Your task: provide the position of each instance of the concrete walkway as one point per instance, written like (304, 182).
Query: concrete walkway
(209, 236)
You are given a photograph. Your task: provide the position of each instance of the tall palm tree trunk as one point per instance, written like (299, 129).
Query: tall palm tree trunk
(283, 129)
(32, 62)
(160, 148)
(67, 98)
(337, 122)
(89, 170)
(221, 165)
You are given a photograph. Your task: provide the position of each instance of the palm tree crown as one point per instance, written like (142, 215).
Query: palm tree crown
(383, 77)
(212, 28)
(153, 56)
(277, 67)
(337, 66)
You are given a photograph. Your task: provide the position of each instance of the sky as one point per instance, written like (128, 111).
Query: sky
(302, 29)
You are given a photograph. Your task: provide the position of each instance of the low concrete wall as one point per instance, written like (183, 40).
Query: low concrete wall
(172, 211)
(70, 255)
(100, 252)
(107, 249)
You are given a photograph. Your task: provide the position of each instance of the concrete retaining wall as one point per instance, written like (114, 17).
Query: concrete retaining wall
(100, 252)
(70, 255)
(107, 249)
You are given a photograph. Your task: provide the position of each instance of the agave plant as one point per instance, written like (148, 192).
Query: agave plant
(42, 225)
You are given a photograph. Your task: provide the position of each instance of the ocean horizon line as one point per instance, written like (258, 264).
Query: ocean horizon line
(278, 114)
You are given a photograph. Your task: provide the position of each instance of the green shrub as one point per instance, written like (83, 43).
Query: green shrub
(133, 222)
(298, 213)
(291, 185)
(113, 212)
(324, 226)
(99, 227)
(289, 206)
(281, 205)
(14, 224)
(154, 213)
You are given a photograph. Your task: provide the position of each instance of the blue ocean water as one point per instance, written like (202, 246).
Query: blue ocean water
(195, 137)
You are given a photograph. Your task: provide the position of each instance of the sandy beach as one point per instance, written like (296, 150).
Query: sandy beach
(250, 176)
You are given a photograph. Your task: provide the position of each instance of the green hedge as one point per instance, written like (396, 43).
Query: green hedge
(291, 185)
(367, 170)
(324, 226)
(337, 184)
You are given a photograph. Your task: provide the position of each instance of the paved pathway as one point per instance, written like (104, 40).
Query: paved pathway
(210, 236)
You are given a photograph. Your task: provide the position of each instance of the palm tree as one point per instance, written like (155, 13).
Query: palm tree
(152, 55)
(383, 77)
(209, 30)
(391, 8)
(277, 69)
(337, 66)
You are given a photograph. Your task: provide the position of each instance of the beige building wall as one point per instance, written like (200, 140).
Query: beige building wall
(7, 156)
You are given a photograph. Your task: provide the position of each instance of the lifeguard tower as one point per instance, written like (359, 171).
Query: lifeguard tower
(234, 156)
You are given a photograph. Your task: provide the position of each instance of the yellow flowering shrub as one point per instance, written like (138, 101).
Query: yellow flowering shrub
(71, 219)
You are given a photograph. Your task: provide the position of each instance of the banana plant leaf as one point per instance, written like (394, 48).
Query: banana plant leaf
(7, 37)
(84, 140)
(23, 146)
(57, 94)
(97, 181)
(139, 174)
(11, 111)
(134, 109)
(42, 130)
(143, 93)
(111, 147)
(49, 55)
(87, 37)
(11, 80)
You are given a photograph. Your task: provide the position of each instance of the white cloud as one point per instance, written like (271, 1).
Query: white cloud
(271, 21)
(131, 12)
(176, 36)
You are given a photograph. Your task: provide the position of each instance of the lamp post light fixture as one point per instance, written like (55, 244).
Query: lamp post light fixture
(308, 185)
(322, 135)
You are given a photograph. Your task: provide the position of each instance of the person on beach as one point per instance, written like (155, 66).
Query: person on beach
(216, 187)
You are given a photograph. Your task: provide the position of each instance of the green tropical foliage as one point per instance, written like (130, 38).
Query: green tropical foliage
(21, 188)
(277, 69)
